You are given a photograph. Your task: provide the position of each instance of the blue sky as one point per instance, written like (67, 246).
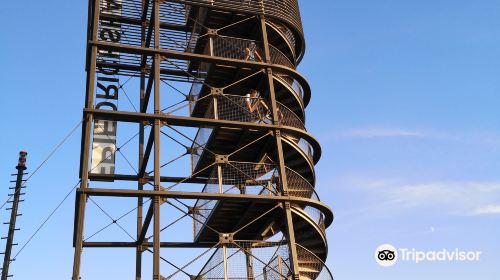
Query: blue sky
(405, 104)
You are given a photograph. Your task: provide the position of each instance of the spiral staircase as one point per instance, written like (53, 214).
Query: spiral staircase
(251, 188)
(248, 166)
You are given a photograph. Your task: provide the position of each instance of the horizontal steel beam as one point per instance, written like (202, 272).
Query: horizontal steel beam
(207, 58)
(209, 196)
(105, 244)
(128, 177)
(118, 244)
(202, 122)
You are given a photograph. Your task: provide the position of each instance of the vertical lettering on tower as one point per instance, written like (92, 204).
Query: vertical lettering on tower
(107, 89)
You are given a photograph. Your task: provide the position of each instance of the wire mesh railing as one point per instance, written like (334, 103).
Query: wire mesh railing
(292, 83)
(298, 186)
(204, 207)
(253, 179)
(286, 33)
(312, 267)
(254, 109)
(304, 146)
(256, 260)
(201, 140)
(241, 109)
(260, 260)
(236, 178)
(317, 216)
(247, 49)
(277, 269)
(278, 57)
(121, 22)
(284, 10)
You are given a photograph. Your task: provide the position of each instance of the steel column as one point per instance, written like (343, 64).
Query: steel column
(140, 181)
(156, 128)
(86, 143)
(290, 233)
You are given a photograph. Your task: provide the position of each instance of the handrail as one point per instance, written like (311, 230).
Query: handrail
(316, 196)
(234, 47)
(309, 155)
(324, 266)
(287, 35)
(278, 57)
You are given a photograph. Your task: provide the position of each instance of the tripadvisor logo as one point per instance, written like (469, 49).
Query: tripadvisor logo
(387, 255)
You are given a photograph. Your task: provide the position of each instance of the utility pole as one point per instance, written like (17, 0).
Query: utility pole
(14, 199)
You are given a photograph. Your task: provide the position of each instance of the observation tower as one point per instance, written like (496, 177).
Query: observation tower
(214, 82)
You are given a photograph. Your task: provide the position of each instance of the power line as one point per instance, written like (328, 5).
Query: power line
(66, 196)
(59, 145)
(46, 219)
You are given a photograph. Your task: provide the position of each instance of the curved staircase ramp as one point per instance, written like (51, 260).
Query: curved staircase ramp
(257, 247)
(257, 217)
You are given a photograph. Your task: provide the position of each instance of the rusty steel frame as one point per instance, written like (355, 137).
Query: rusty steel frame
(150, 146)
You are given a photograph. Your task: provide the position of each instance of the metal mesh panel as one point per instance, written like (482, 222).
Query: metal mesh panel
(317, 216)
(311, 267)
(306, 147)
(254, 179)
(203, 208)
(201, 140)
(285, 31)
(298, 186)
(250, 178)
(170, 12)
(288, 118)
(277, 57)
(236, 178)
(214, 269)
(230, 47)
(248, 260)
(292, 83)
(199, 145)
(254, 109)
(120, 23)
(270, 260)
(285, 10)
(243, 109)
(237, 48)
(303, 145)
(198, 83)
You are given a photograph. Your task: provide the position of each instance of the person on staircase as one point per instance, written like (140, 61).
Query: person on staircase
(252, 53)
(257, 106)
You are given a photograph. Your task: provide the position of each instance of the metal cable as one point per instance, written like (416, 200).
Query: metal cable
(46, 159)
(45, 221)
(119, 218)
(62, 201)
(110, 217)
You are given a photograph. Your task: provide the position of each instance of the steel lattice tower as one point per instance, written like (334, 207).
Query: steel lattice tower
(249, 191)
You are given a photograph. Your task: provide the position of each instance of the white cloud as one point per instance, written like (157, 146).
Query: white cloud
(382, 132)
(488, 138)
(486, 210)
(457, 198)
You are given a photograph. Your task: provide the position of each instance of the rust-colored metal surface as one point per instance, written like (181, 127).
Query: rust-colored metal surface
(246, 191)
